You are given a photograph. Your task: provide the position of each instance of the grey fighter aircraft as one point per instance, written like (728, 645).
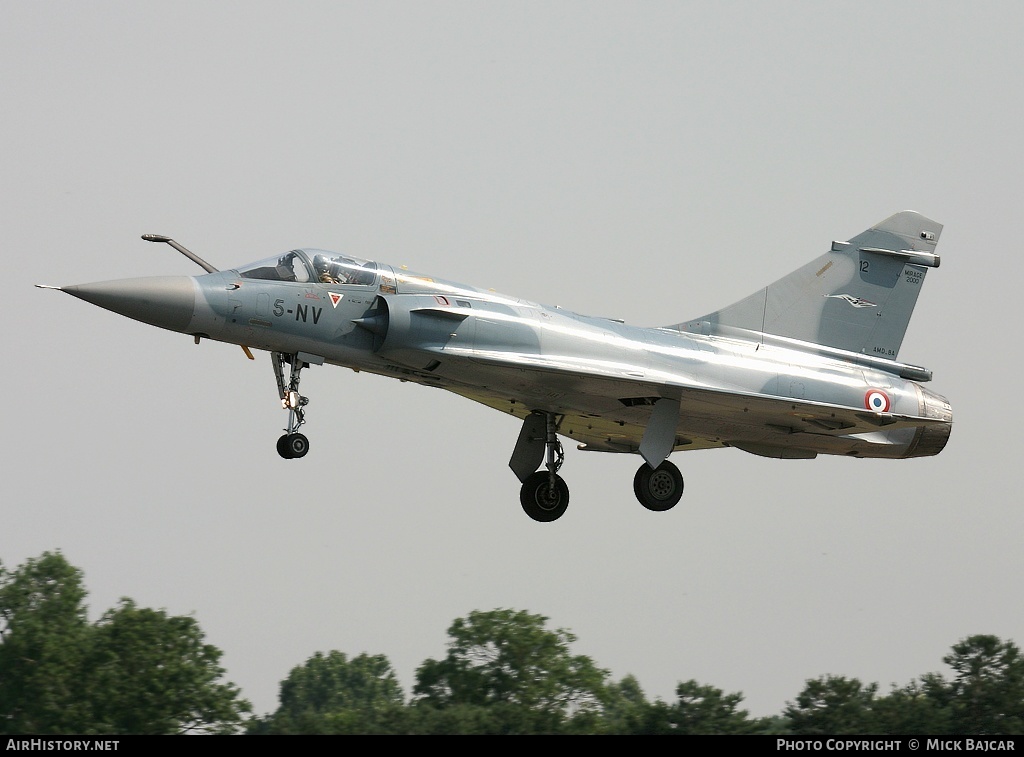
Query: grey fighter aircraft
(804, 366)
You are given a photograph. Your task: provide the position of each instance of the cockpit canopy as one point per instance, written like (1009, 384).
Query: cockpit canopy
(310, 265)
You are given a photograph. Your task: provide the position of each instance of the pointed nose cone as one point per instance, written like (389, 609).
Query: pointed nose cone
(164, 301)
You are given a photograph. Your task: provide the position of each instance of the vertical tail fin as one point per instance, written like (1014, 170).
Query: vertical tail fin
(859, 296)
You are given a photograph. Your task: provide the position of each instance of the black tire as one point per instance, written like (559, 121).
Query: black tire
(298, 445)
(282, 448)
(658, 489)
(542, 502)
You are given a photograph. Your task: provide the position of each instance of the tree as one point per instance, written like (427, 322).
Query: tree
(133, 671)
(987, 692)
(625, 706)
(509, 658)
(332, 694)
(154, 674)
(498, 718)
(699, 709)
(43, 641)
(920, 707)
(833, 705)
(705, 709)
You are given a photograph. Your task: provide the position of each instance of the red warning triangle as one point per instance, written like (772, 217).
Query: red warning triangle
(335, 298)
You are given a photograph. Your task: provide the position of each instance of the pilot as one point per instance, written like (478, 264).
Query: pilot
(324, 273)
(334, 270)
(320, 266)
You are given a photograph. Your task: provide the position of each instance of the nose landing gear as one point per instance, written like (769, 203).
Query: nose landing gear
(292, 444)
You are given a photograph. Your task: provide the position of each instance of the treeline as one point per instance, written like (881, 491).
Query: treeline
(137, 670)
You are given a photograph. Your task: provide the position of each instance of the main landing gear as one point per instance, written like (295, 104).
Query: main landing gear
(545, 496)
(292, 444)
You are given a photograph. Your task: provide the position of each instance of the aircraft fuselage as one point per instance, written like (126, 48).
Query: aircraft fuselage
(491, 348)
(805, 366)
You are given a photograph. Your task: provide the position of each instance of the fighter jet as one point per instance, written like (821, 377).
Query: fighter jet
(804, 366)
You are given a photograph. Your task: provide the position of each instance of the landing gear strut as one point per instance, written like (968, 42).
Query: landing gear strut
(292, 444)
(660, 488)
(544, 495)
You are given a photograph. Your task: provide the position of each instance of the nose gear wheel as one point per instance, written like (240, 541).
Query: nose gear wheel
(292, 445)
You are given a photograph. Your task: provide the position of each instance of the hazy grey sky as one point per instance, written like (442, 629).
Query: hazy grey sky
(645, 160)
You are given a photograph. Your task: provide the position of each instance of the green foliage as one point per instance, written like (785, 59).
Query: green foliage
(916, 709)
(498, 718)
(153, 673)
(833, 705)
(138, 670)
(506, 673)
(334, 695)
(773, 725)
(698, 709)
(625, 706)
(134, 671)
(986, 696)
(43, 642)
(705, 709)
(509, 658)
